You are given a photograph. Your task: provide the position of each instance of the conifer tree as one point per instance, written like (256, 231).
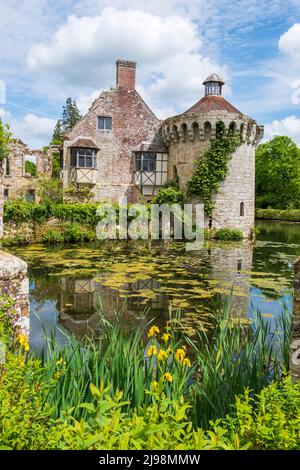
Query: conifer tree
(57, 133)
(70, 115)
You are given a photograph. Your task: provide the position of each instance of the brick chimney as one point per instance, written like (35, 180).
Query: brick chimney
(126, 74)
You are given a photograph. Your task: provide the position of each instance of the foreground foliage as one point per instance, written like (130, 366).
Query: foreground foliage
(114, 394)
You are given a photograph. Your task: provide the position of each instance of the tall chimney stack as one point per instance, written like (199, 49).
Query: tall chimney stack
(126, 74)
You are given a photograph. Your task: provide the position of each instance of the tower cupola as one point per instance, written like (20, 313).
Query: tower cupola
(213, 85)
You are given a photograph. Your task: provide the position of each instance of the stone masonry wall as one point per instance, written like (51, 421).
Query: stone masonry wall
(132, 123)
(16, 181)
(1, 199)
(238, 187)
(14, 284)
(186, 139)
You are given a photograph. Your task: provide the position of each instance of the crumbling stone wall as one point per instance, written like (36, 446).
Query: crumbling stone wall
(16, 181)
(1, 199)
(14, 284)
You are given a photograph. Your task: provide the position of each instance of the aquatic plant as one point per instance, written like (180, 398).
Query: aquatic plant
(228, 234)
(240, 354)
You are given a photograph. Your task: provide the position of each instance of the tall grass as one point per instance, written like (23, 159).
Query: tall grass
(117, 360)
(236, 356)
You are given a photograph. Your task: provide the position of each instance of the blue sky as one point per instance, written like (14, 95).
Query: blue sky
(52, 49)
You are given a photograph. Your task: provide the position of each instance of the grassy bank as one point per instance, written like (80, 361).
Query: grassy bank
(277, 214)
(153, 390)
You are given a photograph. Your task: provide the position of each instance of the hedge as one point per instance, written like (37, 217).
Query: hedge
(278, 214)
(20, 211)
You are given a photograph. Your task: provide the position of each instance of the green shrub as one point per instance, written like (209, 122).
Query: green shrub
(169, 195)
(228, 234)
(17, 240)
(74, 233)
(24, 416)
(269, 420)
(277, 214)
(53, 236)
(21, 211)
(50, 191)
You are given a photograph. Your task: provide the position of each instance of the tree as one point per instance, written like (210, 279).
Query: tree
(5, 140)
(30, 168)
(278, 174)
(57, 137)
(70, 116)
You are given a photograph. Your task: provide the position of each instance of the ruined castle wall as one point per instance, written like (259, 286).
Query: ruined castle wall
(17, 182)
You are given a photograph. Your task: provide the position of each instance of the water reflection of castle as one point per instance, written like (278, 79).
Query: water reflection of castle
(231, 268)
(80, 298)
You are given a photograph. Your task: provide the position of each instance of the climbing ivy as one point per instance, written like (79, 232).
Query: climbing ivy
(212, 168)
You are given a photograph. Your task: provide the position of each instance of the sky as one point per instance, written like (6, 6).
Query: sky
(53, 49)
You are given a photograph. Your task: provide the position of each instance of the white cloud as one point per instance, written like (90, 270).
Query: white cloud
(84, 100)
(33, 130)
(289, 126)
(83, 51)
(289, 42)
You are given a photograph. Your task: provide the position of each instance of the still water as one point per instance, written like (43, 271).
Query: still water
(68, 284)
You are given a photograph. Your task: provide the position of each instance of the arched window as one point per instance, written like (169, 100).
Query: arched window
(220, 129)
(195, 128)
(232, 128)
(175, 132)
(249, 129)
(242, 130)
(207, 130)
(242, 209)
(184, 131)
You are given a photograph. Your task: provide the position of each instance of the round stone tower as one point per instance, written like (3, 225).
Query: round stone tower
(188, 135)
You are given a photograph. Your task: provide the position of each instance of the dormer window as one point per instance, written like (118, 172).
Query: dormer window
(145, 161)
(83, 158)
(105, 123)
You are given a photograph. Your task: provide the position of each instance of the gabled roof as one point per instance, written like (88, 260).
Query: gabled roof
(212, 103)
(87, 143)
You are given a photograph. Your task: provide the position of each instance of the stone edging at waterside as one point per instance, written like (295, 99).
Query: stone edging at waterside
(14, 283)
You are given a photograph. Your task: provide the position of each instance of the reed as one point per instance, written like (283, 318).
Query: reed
(238, 355)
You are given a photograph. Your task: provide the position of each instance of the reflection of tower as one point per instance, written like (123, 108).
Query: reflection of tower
(230, 269)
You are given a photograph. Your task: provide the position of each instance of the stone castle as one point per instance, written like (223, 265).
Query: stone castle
(121, 149)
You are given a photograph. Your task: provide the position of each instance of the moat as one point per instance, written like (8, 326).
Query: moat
(69, 284)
